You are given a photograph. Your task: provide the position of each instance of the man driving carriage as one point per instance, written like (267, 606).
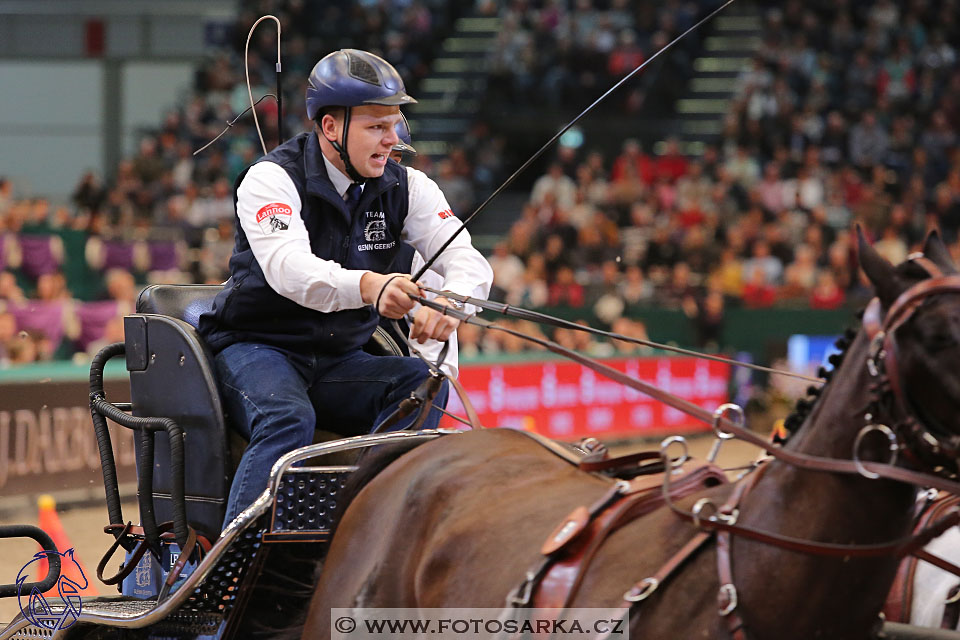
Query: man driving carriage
(303, 299)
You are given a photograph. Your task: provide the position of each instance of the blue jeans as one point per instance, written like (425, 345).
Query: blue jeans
(276, 399)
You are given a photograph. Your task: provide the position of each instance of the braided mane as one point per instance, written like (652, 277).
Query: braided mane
(804, 406)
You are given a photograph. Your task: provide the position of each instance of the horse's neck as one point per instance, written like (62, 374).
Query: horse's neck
(827, 507)
(830, 431)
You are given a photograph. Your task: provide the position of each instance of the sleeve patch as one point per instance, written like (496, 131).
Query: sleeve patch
(446, 213)
(274, 217)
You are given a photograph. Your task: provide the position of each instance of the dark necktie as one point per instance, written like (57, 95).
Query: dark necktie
(353, 196)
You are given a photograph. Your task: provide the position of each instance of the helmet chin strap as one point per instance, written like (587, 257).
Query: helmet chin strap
(341, 148)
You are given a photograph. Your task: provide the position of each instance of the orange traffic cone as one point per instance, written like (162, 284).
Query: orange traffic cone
(70, 565)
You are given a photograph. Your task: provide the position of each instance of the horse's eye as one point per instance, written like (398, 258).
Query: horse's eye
(940, 340)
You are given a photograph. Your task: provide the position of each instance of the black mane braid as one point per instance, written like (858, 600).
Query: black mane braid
(805, 405)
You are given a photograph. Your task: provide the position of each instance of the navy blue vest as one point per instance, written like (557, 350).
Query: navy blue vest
(249, 310)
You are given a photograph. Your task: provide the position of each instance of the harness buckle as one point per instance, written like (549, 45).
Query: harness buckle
(727, 599)
(697, 512)
(520, 597)
(642, 590)
(876, 354)
(728, 518)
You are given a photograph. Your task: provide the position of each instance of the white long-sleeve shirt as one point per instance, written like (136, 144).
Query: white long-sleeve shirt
(292, 270)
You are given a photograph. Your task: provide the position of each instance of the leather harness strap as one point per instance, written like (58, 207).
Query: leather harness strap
(572, 546)
(727, 599)
(911, 544)
(560, 450)
(125, 569)
(629, 462)
(898, 607)
(646, 587)
(566, 575)
(130, 532)
(472, 416)
(727, 603)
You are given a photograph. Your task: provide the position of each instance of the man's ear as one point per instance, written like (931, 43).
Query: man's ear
(329, 127)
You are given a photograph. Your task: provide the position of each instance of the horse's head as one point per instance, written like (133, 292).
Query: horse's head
(914, 329)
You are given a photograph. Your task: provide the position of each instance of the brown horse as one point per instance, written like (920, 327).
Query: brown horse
(458, 521)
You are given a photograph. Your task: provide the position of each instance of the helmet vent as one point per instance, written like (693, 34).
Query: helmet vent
(363, 70)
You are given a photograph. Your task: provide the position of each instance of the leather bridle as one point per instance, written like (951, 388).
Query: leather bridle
(914, 434)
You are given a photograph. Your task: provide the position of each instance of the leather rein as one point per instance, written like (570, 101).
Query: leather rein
(721, 423)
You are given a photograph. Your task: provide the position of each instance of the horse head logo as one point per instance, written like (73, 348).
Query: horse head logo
(34, 605)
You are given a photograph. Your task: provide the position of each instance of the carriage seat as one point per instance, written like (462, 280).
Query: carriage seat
(172, 375)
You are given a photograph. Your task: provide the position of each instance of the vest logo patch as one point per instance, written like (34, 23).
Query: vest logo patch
(375, 233)
(275, 216)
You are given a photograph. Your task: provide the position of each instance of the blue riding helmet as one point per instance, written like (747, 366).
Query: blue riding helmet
(403, 132)
(351, 78)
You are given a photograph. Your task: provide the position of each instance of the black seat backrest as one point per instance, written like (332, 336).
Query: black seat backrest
(172, 376)
(182, 301)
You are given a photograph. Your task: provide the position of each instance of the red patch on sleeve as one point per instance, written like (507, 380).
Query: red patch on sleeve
(275, 216)
(446, 213)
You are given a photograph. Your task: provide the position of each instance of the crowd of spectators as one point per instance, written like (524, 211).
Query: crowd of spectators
(848, 114)
(552, 53)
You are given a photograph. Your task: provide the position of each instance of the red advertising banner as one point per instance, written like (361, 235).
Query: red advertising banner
(567, 401)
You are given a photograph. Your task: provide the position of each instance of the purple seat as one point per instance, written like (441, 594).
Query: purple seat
(164, 256)
(118, 255)
(41, 316)
(94, 317)
(39, 255)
